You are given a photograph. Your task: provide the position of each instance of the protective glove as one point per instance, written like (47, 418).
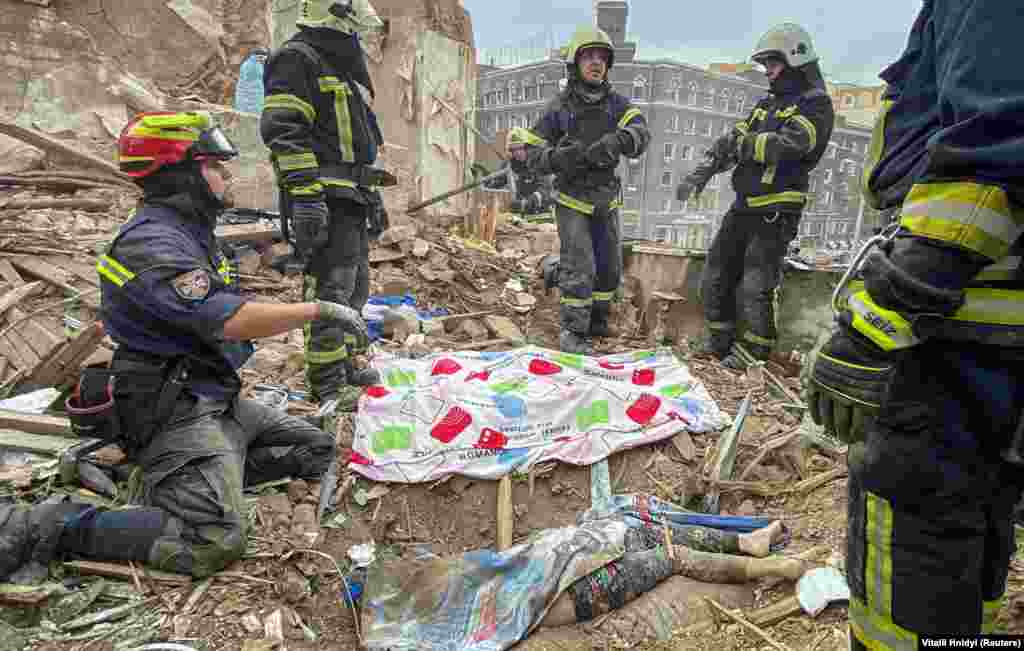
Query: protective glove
(607, 151)
(744, 146)
(695, 181)
(850, 381)
(377, 220)
(566, 157)
(309, 223)
(350, 320)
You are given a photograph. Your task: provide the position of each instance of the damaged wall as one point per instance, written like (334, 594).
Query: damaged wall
(87, 66)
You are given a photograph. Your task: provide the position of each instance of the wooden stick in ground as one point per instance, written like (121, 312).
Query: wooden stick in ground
(753, 628)
(504, 514)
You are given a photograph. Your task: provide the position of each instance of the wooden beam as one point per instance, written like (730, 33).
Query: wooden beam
(88, 205)
(35, 423)
(123, 572)
(61, 366)
(39, 139)
(38, 337)
(54, 275)
(725, 460)
(247, 233)
(36, 443)
(18, 294)
(504, 514)
(10, 274)
(81, 270)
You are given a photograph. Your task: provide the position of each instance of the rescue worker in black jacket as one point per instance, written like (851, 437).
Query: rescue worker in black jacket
(323, 137)
(170, 395)
(580, 138)
(773, 152)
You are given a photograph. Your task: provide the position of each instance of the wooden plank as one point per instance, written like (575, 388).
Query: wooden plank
(504, 514)
(50, 144)
(385, 255)
(9, 273)
(18, 294)
(80, 270)
(247, 233)
(39, 338)
(725, 460)
(62, 365)
(124, 572)
(17, 341)
(54, 275)
(12, 355)
(35, 423)
(36, 443)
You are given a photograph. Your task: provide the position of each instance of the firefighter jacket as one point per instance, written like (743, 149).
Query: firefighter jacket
(785, 135)
(568, 117)
(946, 151)
(167, 290)
(318, 124)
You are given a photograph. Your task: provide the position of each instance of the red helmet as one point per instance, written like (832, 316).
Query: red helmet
(152, 140)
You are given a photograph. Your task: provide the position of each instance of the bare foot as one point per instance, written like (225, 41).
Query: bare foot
(758, 543)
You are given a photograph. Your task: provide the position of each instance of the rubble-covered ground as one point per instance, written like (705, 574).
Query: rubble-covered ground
(282, 596)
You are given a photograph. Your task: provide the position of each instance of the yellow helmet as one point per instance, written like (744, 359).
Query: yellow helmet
(586, 37)
(348, 17)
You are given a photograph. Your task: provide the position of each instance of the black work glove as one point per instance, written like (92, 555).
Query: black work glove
(607, 151)
(850, 381)
(566, 157)
(309, 224)
(377, 220)
(694, 182)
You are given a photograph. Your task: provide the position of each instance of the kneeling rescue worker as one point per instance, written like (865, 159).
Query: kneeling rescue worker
(580, 138)
(170, 396)
(774, 151)
(923, 375)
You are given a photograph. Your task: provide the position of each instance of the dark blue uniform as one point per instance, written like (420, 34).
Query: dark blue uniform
(167, 293)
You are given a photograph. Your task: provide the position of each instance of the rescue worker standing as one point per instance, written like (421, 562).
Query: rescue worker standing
(531, 193)
(170, 395)
(923, 375)
(773, 152)
(580, 138)
(323, 137)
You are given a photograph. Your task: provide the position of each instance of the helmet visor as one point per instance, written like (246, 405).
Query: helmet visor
(213, 143)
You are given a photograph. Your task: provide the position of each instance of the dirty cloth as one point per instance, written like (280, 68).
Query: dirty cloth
(485, 600)
(485, 415)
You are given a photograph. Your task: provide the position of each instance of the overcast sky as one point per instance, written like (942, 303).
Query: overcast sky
(855, 39)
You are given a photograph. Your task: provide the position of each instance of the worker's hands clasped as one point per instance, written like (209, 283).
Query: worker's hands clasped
(850, 381)
(349, 319)
(309, 224)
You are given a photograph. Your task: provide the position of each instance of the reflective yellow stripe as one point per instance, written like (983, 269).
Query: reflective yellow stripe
(341, 93)
(721, 325)
(326, 356)
(527, 136)
(971, 215)
(989, 615)
(1005, 269)
(887, 329)
(166, 134)
(809, 128)
(576, 302)
(791, 196)
(757, 339)
(759, 145)
(224, 269)
(879, 633)
(343, 183)
(842, 362)
(310, 189)
(293, 103)
(113, 270)
(878, 562)
(603, 296)
(134, 159)
(575, 204)
(742, 128)
(628, 116)
(769, 174)
(349, 339)
(992, 306)
(292, 162)
(875, 151)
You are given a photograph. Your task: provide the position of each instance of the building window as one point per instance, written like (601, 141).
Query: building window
(500, 97)
(709, 128)
(692, 99)
(513, 93)
(837, 228)
(826, 199)
(726, 128)
(528, 93)
(666, 205)
(709, 98)
(691, 126)
(832, 147)
(741, 102)
(828, 175)
(713, 183)
(540, 86)
(639, 88)
(686, 153)
(812, 228)
(725, 100)
(501, 121)
(673, 123)
(812, 182)
(670, 151)
(666, 179)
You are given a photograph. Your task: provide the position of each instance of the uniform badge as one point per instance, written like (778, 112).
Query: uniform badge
(193, 285)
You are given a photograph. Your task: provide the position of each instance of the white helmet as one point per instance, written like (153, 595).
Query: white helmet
(348, 16)
(789, 42)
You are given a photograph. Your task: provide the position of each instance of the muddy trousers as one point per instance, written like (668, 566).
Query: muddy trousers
(930, 532)
(193, 518)
(590, 267)
(747, 252)
(339, 272)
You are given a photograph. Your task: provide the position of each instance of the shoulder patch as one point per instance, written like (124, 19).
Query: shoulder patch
(192, 285)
